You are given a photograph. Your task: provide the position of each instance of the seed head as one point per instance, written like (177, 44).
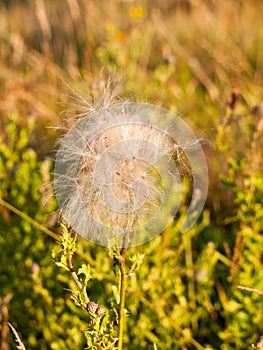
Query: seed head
(119, 169)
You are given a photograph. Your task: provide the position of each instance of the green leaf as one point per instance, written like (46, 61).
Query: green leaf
(85, 270)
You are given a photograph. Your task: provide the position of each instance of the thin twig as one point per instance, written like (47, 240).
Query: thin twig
(42, 228)
(29, 219)
(20, 345)
(75, 277)
(122, 296)
(123, 287)
(73, 273)
(253, 290)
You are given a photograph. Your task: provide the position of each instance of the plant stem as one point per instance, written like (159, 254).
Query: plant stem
(253, 290)
(189, 267)
(42, 228)
(19, 342)
(73, 273)
(123, 287)
(75, 277)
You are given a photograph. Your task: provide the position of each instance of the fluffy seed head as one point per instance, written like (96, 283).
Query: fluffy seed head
(118, 172)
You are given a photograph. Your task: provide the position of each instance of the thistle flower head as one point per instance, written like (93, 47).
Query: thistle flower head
(92, 307)
(118, 173)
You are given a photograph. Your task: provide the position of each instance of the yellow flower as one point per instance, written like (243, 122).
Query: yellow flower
(137, 12)
(110, 27)
(120, 36)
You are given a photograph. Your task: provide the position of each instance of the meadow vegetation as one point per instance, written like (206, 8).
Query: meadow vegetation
(203, 59)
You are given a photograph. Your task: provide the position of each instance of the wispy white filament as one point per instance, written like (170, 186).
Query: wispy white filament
(118, 172)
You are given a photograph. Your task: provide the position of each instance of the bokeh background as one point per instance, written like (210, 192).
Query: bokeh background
(203, 59)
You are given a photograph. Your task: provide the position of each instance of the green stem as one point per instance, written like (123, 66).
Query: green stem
(70, 251)
(42, 228)
(123, 287)
(189, 267)
(76, 279)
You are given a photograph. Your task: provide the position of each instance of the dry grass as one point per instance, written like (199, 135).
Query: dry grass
(183, 55)
(45, 41)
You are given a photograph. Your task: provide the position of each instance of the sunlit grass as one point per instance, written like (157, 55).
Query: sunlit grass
(189, 57)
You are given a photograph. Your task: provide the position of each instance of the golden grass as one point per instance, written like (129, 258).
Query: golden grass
(178, 54)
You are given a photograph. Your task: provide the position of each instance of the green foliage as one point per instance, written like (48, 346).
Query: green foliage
(182, 290)
(38, 307)
(245, 179)
(99, 332)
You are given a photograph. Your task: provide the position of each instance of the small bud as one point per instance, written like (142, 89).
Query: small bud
(100, 311)
(233, 99)
(35, 269)
(260, 342)
(91, 307)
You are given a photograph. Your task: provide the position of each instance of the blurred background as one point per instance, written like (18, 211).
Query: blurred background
(203, 59)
